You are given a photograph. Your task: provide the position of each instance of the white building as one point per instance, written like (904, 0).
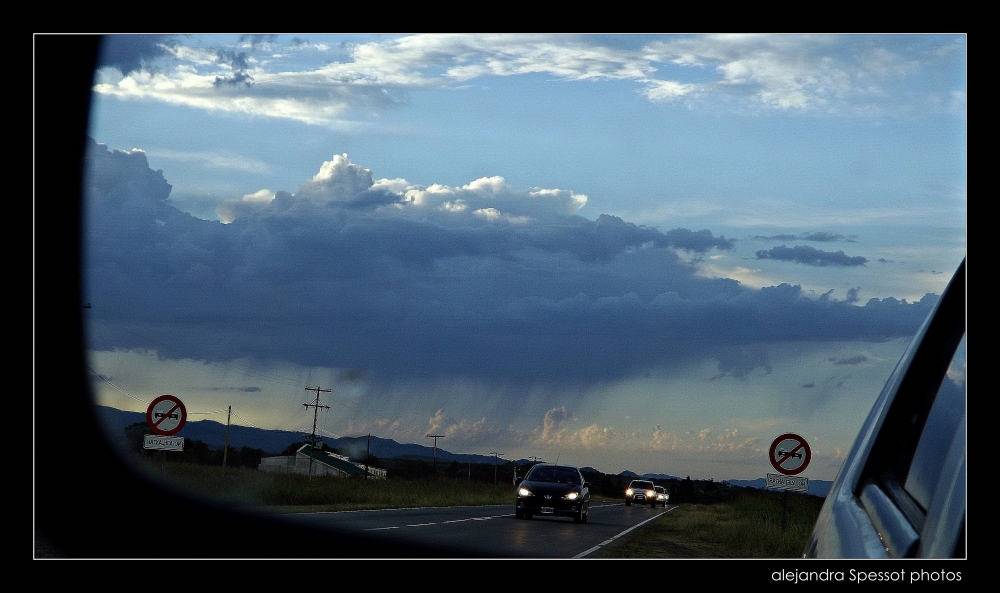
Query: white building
(324, 463)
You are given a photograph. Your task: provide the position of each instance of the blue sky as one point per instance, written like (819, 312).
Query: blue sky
(653, 253)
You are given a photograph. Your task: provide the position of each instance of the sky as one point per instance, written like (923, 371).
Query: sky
(653, 253)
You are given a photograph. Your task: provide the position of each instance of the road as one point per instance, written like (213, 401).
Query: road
(491, 531)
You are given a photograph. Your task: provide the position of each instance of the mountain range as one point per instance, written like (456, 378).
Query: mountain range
(213, 434)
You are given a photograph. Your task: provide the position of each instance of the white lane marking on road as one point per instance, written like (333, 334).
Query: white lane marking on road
(442, 522)
(606, 542)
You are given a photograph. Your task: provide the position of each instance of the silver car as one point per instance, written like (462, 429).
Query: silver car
(902, 490)
(662, 496)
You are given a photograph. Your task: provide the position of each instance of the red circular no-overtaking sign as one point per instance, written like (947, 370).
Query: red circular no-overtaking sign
(166, 415)
(790, 454)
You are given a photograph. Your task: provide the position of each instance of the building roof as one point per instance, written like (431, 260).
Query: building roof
(332, 460)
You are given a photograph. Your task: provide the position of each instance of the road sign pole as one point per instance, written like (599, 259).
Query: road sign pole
(789, 456)
(784, 512)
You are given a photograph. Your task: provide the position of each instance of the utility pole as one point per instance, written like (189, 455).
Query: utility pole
(435, 437)
(496, 457)
(534, 459)
(316, 406)
(225, 450)
(368, 454)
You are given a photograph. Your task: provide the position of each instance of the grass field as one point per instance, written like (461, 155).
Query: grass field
(749, 526)
(285, 492)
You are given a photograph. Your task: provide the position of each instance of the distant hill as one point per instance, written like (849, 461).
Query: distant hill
(816, 487)
(213, 434)
(274, 442)
(660, 477)
(209, 432)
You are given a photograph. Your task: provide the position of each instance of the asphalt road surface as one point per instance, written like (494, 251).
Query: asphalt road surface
(489, 531)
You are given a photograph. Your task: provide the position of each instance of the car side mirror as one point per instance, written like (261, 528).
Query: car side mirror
(586, 485)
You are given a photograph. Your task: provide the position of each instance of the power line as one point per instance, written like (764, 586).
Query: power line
(106, 380)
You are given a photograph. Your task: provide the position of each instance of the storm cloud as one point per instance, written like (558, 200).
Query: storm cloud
(397, 279)
(818, 236)
(804, 254)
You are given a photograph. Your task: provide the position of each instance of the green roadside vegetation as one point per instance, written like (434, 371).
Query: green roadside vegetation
(252, 489)
(747, 526)
(713, 519)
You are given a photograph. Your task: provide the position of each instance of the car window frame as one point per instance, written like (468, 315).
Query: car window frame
(868, 512)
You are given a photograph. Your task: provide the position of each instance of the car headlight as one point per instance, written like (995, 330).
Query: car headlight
(522, 491)
(628, 492)
(651, 493)
(571, 495)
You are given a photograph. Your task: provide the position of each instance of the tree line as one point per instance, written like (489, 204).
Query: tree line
(683, 490)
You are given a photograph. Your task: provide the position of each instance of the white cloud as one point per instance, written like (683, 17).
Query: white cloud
(784, 72)
(214, 160)
(230, 210)
(337, 180)
(668, 90)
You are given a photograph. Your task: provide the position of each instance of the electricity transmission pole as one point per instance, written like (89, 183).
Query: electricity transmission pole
(435, 437)
(316, 406)
(225, 450)
(496, 457)
(533, 458)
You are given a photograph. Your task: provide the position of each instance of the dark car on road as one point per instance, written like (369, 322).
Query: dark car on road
(553, 490)
(901, 492)
(640, 492)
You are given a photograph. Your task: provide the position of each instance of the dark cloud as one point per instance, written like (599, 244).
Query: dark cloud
(699, 242)
(393, 290)
(741, 363)
(853, 360)
(239, 62)
(803, 254)
(823, 237)
(776, 237)
(352, 375)
(130, 53)
(258, 40)
(819, 236)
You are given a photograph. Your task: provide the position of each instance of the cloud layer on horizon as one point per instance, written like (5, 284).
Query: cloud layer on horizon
(420, 281)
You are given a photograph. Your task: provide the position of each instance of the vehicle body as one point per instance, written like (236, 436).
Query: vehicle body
(662, 497)
(901, 492)
(553, 490)
(640, 492)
